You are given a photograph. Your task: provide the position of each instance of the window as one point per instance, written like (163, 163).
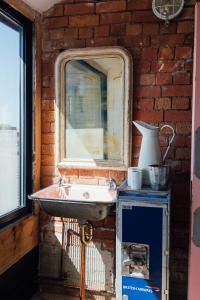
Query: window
(94, 107)
(15, 113)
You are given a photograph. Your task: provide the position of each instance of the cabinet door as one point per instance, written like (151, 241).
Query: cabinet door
(194, 261)
(142, 253)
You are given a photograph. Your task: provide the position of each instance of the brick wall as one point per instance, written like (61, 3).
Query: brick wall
(162, 90)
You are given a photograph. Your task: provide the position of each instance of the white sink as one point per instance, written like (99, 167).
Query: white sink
(88, 202)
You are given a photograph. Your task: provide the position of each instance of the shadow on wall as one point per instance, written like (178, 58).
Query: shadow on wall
(100, 259)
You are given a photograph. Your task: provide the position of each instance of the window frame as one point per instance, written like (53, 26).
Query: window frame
(89, 53)
(26, 118)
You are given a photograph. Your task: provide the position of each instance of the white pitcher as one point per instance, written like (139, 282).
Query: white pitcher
(150, 153)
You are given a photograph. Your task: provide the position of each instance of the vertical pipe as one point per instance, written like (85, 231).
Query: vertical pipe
(62, 249)
(82, 272)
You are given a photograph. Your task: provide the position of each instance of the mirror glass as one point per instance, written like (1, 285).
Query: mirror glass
(93, 104)
(92, 96)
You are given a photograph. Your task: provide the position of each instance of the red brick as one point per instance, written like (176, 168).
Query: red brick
(47, 170)
(112, 18)
(110, 222)
(177, 116)
(133, 29)
(186, 166)
(56, 34)
(51, 104)
(56, 22)
(46, 127)
(183, 52)
(167, 40)
(187, 14)
(144, 16)
(52, 149)
(110, 6)
(163, 78)
(47, 160)
(167, 66)
(179, 141)
(103, 233)
(59, 45)
(181, 78)
(86, 173)
(170, 28)
(180, 103)
(147, 79)
(185, 27)
(69, 172)
(142, 67)
(45, 81)
(139, 4)
(45, 149)
(166, 53)
(177, 90)
(119, 176)
(48, 138)
(163, 103)
(150, 28)
(47, 69)
(101, 173)
(48, 116)
(145, 104)
(55, 11)
(150, 116)
(71, 33)
(183, 153)
(101, 31)
(149, 53)
(45, 104)
(118, 29)
(85, 33)
(188, 65)
(79, 9)
(132, 41)
(106, 41)
(150, 91)
(52, 127)
(46, 181)
(183, 128)
(83, 21)
(48, 93)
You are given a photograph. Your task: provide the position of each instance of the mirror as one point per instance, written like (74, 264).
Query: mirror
(93, 101)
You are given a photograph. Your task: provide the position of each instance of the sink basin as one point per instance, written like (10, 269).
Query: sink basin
(87, 202)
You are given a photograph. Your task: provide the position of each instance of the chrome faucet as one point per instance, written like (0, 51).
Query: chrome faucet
(112, 185)
(61, 181)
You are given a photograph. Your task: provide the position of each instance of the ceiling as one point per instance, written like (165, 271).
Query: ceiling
(41, 5)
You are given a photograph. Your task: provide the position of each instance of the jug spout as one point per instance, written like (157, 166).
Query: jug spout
(145, 128)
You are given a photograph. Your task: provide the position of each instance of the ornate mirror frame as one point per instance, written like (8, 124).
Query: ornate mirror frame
(93, 53)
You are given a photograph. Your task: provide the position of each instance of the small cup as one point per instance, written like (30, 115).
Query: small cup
(159, 177)
(135, 178)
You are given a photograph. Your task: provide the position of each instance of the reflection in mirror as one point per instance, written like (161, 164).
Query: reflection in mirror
(91, 132)
(92, 108)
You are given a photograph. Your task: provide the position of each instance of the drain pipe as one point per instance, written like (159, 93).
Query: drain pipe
(85, 235)
(62, 249)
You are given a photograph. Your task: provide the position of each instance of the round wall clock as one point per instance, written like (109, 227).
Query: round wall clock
(167, 9)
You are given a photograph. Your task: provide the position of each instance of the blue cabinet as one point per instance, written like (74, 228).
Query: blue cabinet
(142, 243)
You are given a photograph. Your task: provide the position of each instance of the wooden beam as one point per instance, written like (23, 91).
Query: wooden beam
(23, 8)
(18, 240)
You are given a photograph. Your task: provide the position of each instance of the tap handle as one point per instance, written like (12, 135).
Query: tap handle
(60, 181)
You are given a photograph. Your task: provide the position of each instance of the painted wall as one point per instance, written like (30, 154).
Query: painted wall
(162, 90)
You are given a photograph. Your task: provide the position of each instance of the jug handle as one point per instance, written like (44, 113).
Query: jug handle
(171, 139)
